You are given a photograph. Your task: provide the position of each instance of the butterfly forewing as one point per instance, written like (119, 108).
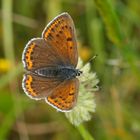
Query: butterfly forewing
(60, 33)
(64, 96)
(38, 54)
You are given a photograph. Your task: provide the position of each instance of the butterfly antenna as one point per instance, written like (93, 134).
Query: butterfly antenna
(90, 60)
(80, 71)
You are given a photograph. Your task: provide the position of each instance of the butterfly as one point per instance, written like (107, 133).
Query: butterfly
(50, 62)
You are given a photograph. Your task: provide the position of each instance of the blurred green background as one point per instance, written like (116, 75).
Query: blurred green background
(108, 28)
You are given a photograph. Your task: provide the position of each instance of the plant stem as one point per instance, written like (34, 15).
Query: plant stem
(8, 46)
(84, 133)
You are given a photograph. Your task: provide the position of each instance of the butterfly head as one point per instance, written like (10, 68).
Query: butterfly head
(70, 73)
(79, 72)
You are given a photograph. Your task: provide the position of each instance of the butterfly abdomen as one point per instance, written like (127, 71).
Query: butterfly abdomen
(64, 73)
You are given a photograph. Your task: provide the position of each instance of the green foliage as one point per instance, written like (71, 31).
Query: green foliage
(111, 21)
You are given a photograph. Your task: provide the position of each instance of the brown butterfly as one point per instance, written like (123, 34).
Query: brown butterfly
(51, 63)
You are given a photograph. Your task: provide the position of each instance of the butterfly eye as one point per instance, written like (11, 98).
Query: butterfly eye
(79, 73)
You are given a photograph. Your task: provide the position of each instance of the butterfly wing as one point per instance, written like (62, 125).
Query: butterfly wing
(38, 87)
(60, 95)
(60, 33)
(64, 96)
(38, 54)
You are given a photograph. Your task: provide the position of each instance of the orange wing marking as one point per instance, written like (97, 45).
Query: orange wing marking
(50, 28)
(28, 56)
(28, 84)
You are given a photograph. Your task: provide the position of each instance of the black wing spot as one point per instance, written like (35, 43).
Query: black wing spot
(60, 32)
(57, 35)
(59, 103)
(55, 100)
(50, 35)
(67, 102)
(66, 26)
(69, 39)
(72, 93)
(70, 28)
(26, 57)
(52, 30)
(56, 25)
(60, 96)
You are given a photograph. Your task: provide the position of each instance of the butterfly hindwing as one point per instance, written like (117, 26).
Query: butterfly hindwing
(38, 87)
(64, 96)
(61, 95)
(60, 33)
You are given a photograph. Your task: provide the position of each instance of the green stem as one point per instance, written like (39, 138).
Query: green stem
(84, 133)
(8, 30)
(8, 45)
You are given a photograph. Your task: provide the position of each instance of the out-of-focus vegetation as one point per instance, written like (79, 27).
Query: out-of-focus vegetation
(109, 28)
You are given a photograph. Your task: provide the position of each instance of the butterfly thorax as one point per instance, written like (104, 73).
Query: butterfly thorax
(62, 72)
